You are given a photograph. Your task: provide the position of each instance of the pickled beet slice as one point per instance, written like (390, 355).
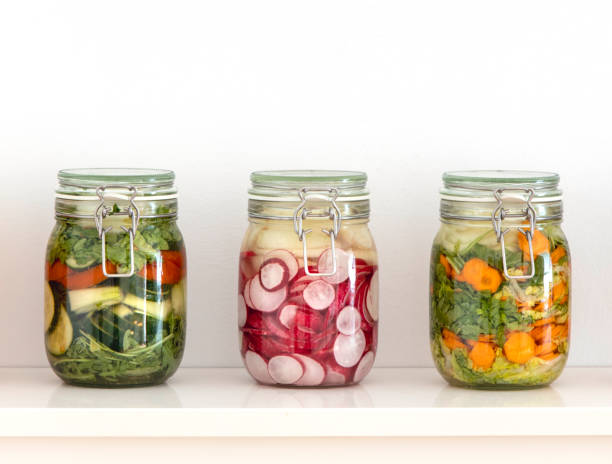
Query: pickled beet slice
(266, 301)
(242, 311)
(287, 258)
(273, 274)
(344, 262)
(257, 367)
(348, 321)
(319, 295)
(285, 369)
(314, 373)
(349, 348)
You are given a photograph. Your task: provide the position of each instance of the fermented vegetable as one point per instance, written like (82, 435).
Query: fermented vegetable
(491, 331)
(115, 331)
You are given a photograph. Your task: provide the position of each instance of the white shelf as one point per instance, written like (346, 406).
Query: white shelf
(227, 403)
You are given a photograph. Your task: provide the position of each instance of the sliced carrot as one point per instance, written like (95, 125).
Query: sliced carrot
(559, 291)
(519, 347)
(480, 275)
(543, 333)
(557, 254)
(539, 243)
(452, 340)
(544, 321)
(447, 267)
(560, 331)
(482, 355)
(549, 356)
(545, 348)
(453, 343)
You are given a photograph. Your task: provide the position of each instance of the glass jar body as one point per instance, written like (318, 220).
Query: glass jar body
(115, 331)
(488, 331)
(302, 330)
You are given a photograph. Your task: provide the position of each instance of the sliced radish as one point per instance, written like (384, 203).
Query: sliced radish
(349, 348)
(285, 369)
(288, 258)
(334, 378)
(242, 311)
(372, 297)
(314, 373)
(300, 284)
(264, 300)
(319, 295)
(364, 367)
(267, 346)
(287, 314)
(257, 367)
(247, 294)
(348, 321)
(273, 274)
(344, 262)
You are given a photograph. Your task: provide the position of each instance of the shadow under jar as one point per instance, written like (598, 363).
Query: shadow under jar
(115, 278)
(308, 280)
(500, 280)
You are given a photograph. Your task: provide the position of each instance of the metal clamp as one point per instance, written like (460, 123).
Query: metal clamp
(333, 213)
(132, 212)
(499, 214)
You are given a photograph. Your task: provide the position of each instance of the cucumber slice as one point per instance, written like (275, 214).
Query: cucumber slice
(60, 338)
(72, 263)
(122, 311)
(177, 296)
(90, 299)
(49, 307)
(157, 309)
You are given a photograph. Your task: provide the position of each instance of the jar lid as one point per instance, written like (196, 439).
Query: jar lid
(287, 185)
(482, 185)
(83, 184)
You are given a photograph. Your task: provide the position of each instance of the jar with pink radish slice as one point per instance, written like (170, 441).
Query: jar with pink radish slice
(308, 280)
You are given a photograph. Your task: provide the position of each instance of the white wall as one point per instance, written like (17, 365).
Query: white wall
(213, 90)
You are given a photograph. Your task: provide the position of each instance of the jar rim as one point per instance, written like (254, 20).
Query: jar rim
(482, 185)
(87, 177)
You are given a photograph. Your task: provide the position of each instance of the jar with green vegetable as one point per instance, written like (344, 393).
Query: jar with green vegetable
(500, 280)
(115, 278)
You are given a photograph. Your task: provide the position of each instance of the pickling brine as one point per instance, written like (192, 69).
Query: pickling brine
(308, 321)
(500, 287)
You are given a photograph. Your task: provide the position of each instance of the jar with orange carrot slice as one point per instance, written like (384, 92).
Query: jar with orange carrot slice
(500, 280)
(115, 278)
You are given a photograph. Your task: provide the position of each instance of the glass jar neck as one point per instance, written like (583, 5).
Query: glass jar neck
(512, 196)
(88, 199)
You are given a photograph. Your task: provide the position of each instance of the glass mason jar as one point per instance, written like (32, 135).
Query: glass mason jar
(308, 280)
(115, 278)
(500, 280)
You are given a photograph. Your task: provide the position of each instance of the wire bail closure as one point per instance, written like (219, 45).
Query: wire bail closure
(131, 212)
(499, 214)
(333, 213)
